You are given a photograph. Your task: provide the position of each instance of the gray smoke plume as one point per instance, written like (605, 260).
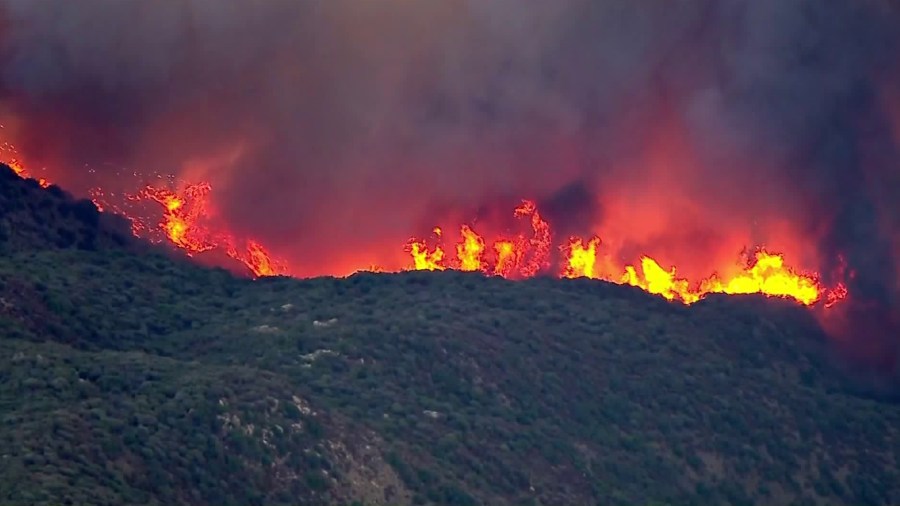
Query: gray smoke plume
(344, 125)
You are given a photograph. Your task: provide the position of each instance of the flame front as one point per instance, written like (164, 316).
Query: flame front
(470, 250)
(425, 259)
(182, 223)
(185, 224)
(16, 165)
(508, 257)
(181, 215)
(581, 258)
(765, 273)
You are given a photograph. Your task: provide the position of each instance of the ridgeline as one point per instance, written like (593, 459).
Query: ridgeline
(129, 375)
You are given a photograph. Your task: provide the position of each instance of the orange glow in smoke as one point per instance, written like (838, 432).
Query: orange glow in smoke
(185, 223)
(8, 156)
(764, 273)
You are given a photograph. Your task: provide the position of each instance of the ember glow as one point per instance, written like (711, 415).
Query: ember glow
(8, 155)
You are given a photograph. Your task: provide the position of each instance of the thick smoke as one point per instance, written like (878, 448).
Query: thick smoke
(342, 126)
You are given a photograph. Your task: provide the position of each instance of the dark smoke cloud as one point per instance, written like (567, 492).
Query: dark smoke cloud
(347, 123)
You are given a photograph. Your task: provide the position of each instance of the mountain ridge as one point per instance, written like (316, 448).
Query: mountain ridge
(411, 388)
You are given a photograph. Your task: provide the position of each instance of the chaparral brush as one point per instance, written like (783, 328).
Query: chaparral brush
(687, 149)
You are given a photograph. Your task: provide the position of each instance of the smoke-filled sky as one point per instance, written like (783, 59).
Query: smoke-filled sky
(332, 130)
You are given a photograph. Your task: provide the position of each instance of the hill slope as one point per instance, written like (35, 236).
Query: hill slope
(132, 378)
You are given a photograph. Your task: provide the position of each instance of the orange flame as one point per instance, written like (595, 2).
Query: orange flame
(23, 173)
(656, 280)
(765, 273)
(181, 214)
(836, 295)
(582, 258)
(425, 259)
(839, 292)
(9, 156)
(185, 214)
(517, 258)
(258, 260)
(182, 225)
(508, 257)
(17, 168)
(540, 243)
(470, 250)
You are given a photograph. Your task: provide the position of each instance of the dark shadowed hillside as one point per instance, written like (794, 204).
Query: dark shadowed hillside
(36, 218)
(127, 377)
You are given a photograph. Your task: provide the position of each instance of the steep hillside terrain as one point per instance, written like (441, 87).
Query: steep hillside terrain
(129, 377)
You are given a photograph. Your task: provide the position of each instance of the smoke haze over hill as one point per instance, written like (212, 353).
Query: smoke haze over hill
(334, 130)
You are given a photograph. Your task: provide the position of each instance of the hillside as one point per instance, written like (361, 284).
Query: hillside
(132, 377)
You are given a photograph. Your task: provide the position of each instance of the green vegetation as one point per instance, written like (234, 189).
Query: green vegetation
(128, 377)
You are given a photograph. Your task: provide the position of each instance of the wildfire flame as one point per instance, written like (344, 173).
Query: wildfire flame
(185, 224)
(764, 273)
(8, 156)
(182, 223)
(425, 259)
(180, 214)
(470, 250)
